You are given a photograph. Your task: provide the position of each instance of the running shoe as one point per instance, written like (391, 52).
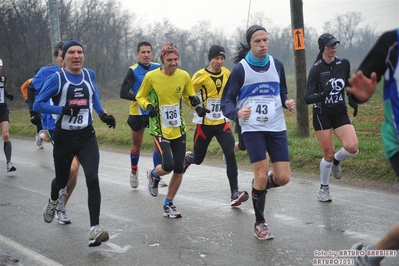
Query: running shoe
(134, 179)
(336, 171)
(49, 211)
(162, 183)
(62, 216)
(97, 236)
(39, 141)
(362, 260)
(269, 176)
(10, 167)
(43, 134)
(189, 157)
(61, 199)
(324, 194)
(262, 232)
(171, 211)
(270, 173)
(152, 183)
(238, 197)
(61, 211)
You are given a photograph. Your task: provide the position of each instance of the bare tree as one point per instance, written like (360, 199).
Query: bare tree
(344, 27)
(110, 36)
(24, 35)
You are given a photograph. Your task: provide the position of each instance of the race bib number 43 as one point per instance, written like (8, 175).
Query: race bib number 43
(262, 110)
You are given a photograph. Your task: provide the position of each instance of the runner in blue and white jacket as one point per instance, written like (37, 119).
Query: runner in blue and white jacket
(255, 96)
(74, 94)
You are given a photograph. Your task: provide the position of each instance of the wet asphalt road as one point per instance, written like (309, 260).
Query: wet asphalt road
(209, 233)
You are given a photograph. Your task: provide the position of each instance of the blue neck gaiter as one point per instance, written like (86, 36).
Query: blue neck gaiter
(257, 62)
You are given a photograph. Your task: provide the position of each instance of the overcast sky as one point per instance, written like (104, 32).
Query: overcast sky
(230, 14)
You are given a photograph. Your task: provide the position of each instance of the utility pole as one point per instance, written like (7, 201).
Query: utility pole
(302, 120)
(54, 25)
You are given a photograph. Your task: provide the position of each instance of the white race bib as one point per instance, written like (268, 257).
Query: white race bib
(76, 122)
(1, 95)
(170, 115)
(213, 105)
(262, 110)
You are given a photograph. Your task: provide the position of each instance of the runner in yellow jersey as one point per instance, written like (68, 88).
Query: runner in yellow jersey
(209, 84)
(161, 94)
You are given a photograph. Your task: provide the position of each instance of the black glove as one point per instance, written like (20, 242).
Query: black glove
(194, 100)
(152, 112)
(353, 105)
(109, 120)
(201, 111)
(71, 110)
(326, 91)
(35, 118)
(10, 96)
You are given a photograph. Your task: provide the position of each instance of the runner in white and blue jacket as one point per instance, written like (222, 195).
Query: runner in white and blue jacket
(74, 94)
(255, 96)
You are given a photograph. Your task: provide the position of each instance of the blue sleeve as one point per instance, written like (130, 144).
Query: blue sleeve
(96, 97)
(38, 80)
(42, 75)
(231, 92)
(92, 75)
(97, 103)
(42, 102)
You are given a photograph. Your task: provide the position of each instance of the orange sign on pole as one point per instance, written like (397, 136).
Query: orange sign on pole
(299, 39)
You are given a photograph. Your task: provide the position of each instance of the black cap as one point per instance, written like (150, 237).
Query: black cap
(68, 44)
(326, 39)
(216, 50)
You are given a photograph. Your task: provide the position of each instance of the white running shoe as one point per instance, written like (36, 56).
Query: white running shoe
(62, 217)
(261, 231)
(60, 213)
(324, 194)
(42, 134)
(49, 211)
(336, 171)
(10, 167)
(134, 179)
(97, 235)
(162, 183)
(39, 141)
(61, 198)
(238, 197)
(152, 183)
(171, 211)
(188, 157)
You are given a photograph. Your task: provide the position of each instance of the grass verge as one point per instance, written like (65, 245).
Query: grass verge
(305, 153)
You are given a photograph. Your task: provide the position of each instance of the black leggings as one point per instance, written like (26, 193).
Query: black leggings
(172, 153)
(395, 163)
(82, 143)
(203, 136)
(39, 127)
